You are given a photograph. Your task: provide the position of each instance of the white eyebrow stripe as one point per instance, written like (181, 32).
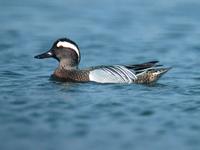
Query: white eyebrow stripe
(68, 45)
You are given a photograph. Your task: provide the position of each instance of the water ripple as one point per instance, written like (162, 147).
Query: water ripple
(39, 113)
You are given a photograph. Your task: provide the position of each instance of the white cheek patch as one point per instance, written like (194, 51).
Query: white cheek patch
(68, 45)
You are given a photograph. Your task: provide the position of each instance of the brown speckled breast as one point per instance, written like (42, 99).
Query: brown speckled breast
(71, 75)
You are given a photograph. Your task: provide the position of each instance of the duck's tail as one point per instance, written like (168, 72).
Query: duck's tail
(160, 71)
(151, 75)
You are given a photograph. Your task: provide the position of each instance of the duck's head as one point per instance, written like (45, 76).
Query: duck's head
(65, 51)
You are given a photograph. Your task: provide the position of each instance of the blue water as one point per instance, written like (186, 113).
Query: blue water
(38, 113)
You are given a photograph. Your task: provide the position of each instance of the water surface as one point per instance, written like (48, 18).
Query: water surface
(38, 113)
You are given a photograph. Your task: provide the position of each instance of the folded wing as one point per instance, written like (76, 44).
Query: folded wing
(112, 74)
(138, 73)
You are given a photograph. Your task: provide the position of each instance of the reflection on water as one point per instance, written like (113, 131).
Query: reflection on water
(38, 113)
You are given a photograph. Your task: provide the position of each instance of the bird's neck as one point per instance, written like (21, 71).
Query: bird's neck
(67, 65)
